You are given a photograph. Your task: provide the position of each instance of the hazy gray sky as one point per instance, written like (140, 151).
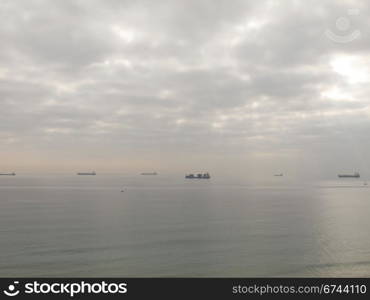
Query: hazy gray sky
(232, 86)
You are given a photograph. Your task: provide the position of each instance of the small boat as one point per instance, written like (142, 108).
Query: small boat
(279, 175)
(87, 173)
(7, 174)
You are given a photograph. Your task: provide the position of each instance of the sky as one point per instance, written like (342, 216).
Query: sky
(233, 87)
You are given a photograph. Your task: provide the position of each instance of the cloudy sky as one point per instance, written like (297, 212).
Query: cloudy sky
(175, 85)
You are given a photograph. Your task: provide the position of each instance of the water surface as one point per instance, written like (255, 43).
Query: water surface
(56, 225)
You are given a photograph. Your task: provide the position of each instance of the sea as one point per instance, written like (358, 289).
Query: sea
(114, 225)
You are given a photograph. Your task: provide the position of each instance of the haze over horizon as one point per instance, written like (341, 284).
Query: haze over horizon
(179, 86)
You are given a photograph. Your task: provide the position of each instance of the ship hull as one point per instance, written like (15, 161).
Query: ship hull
(87, 174)
(198, 176)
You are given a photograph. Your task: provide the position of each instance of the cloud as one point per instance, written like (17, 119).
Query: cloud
(232, 80)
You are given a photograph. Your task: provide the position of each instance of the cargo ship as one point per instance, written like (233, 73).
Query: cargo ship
(87, 173)
(198, 176)
(355, 175)
(7, 174)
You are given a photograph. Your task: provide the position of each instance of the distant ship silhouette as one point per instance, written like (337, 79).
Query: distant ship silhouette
(87, 173)
(198, 176)
(149, 173)
(7, 174)
(355, 175)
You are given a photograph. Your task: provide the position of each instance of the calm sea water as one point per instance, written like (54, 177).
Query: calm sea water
(74, 226)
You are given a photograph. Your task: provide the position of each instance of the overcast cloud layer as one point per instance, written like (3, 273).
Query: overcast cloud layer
(238, 86)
